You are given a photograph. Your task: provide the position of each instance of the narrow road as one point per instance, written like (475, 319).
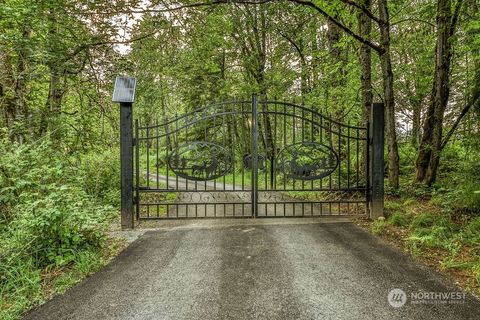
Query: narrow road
(257, 269)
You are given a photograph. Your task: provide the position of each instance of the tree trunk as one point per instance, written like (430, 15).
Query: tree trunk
(55, 90)
(386, 64)
(431, 144)
(365, 28)
(7, 98)
(416, 122)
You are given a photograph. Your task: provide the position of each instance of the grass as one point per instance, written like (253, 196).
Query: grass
(34, 287)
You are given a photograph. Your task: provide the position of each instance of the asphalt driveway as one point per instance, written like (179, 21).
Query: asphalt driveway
(259, 269)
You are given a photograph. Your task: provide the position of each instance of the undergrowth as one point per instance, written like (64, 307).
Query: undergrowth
(54, 210)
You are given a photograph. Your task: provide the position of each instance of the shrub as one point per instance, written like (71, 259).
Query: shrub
(53, 215)
(99, 174)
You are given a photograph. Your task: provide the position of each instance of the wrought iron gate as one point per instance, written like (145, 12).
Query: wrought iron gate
(250, 158)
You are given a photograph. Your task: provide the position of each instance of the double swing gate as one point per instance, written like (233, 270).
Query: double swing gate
(251, 158)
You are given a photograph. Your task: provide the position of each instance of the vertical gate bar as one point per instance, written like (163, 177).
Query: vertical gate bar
(377, 150)
(244, 146)
(348, 155)
(266, 169)
(233, 139)
(156, 156)
(187, 182)
(303, 140)
(357, 166)
(147, 147)
(294, 127)
(367, 168)
(205, 139)
(321, 142)
(339, 155)
(331, 146)
(274, 160)
(223, 139)
(312, 140)
(254, 139)
(168, 141)
(176, 147)
(265, 116)
(284, 142)
(244, 142)
(213, 139)
(148, 157)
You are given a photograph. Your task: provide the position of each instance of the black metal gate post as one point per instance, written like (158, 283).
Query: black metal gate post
(254, 143)
(126, 164)
(377, 123)
(124, 93)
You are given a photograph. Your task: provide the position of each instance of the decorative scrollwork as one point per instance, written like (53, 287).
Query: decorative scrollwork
(212, 197)
(307, 161)
(200, 160)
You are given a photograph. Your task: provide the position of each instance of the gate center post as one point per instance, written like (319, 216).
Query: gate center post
(254, 144)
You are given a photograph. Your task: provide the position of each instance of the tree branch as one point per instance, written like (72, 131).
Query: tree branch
(456, 14)
(413, 19)
(465, 110)
(100, 43)
(347, 30)
(191, 5)
(295, 45)
(364, 10)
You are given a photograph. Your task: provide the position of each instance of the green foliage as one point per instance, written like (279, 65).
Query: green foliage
(53, 215)
(460, 192)
(378, 226)
(99, 174)
(422, 221)
(399, 219)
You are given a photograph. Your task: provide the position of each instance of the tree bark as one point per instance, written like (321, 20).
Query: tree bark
(386, 64)
(431, 145)
(365, 28)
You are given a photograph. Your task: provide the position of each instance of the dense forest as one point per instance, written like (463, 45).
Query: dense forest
(59, 130)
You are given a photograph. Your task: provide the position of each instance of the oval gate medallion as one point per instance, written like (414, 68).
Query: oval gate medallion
(307, 161)
(200, 160)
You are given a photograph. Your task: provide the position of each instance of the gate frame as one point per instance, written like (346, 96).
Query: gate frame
(374, 162)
